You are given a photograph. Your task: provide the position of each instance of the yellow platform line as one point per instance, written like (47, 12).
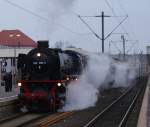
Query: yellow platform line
(54, 119)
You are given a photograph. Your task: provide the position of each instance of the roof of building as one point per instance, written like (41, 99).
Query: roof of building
(16, 38)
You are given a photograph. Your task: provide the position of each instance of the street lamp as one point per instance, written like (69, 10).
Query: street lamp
(15, 37)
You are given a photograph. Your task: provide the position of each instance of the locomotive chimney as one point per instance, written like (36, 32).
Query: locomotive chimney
(42, 44)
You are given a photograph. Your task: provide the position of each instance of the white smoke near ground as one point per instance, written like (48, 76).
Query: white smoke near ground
(102, 72)
(121, 76)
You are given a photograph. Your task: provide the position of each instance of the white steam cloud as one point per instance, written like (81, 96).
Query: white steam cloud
(54, 8)
(101, 72)
(51, 11)
(63, 45)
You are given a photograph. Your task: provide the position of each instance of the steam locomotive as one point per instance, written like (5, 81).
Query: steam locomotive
(44, 74)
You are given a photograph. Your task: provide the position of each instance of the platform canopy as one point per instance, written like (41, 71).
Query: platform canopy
(13, 52)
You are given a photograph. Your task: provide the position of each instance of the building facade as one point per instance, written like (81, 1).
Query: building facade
(13, 42)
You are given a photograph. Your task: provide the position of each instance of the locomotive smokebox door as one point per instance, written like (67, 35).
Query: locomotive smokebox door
(43, 44)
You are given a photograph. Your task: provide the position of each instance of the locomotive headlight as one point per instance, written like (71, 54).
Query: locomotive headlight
(38, 54)
(67, 78)
(59, 84)
(19, 84)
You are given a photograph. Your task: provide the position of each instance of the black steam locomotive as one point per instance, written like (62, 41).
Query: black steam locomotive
(44, 74)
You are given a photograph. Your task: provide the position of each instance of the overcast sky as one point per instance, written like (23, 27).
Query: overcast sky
(58, 21)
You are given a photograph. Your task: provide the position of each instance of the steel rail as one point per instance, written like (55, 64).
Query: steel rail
(109, 107)
(8, 103)
(33, 120)
(12, 117)
(20, 120)
(90, 123)
(124, 119)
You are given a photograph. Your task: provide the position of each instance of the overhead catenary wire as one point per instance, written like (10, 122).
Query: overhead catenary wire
(100, 15)
(80, 17)
(116, 27)
(122, 7)
(132, 30)
(115, 46)
(43, 18)
(108, 4)
(89, 27)
(132, 46)
(129, 49)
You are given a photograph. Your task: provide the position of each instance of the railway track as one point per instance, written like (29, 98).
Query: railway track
(116, 114)
(8, 106)
(34, 119)
(21, 119)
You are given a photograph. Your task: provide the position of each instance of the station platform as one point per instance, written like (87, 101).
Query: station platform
(144, 117)
(8, 95)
